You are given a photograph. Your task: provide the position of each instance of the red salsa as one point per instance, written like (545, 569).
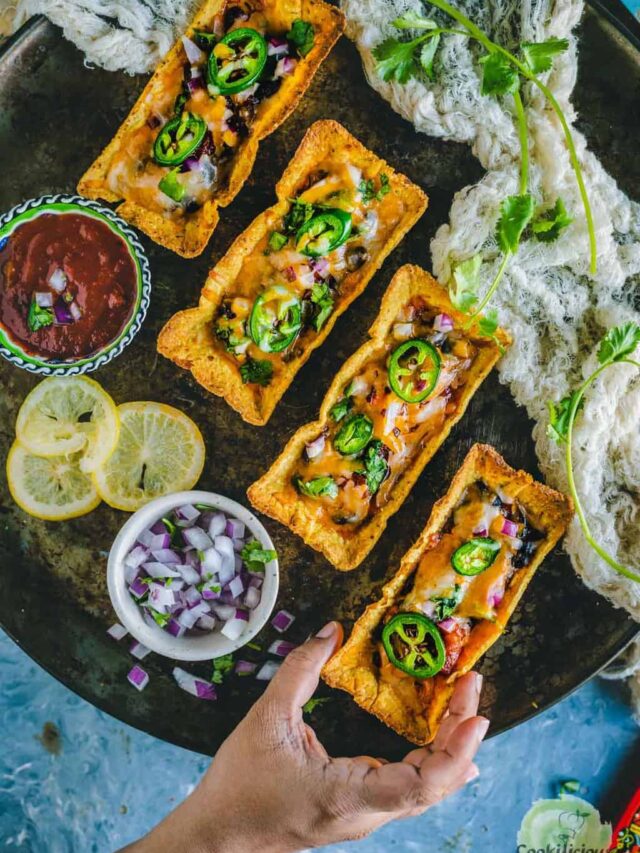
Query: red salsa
(68, 286)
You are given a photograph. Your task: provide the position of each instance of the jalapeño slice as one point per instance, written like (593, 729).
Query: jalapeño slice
(324, 232)
(276, 319)
(475, 556)
(353, 436)
(414, 644)
(178, 139)
(414, 368)
(237, 61)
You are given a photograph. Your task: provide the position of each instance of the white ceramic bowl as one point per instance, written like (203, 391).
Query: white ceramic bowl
(206, 646)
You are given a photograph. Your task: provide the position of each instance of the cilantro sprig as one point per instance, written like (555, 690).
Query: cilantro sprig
(502, 74)
(615, 348)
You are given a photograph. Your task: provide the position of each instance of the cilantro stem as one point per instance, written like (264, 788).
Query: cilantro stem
(491, 46)
(615, 565)
(491, 291)
(524, 143)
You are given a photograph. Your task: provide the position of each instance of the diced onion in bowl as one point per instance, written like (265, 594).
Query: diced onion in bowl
(196, 571)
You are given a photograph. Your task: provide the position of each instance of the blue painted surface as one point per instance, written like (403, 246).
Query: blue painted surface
(110, 783)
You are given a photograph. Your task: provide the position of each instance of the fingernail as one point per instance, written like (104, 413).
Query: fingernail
(472, 773)
(481, 728)
(328, 631)
(479, 680)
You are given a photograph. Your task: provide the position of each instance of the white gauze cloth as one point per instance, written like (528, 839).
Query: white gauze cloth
(554, 310)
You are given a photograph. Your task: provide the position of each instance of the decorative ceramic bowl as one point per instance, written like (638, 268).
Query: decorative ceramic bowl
(188, 647)
(29, 210)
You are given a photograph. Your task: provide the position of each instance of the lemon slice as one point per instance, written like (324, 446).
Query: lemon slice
(69, 415)
(52, 488)
(160, 450)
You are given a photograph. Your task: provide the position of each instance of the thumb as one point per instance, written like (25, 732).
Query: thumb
(297, 679)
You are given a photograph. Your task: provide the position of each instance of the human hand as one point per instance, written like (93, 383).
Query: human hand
(272, 786)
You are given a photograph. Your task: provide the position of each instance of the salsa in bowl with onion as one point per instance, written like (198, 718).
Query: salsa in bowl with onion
(193, 576)
(74, 285)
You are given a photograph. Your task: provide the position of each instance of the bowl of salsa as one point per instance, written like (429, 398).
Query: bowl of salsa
(74, 285)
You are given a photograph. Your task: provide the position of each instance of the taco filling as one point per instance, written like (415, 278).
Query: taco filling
(290, 284)
(182, 156)
(398, 402)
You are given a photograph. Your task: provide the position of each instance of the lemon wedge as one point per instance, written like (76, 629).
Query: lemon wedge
(68, 415)
(53, 488)
(160, 450)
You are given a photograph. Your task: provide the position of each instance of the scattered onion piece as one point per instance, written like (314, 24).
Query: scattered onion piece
(138, 677)
(267, 671)
(282, 621)
(117, 631)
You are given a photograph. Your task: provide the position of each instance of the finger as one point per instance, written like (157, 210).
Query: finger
(406, 785)
(463, 704)
(471, 773)
(296, 680)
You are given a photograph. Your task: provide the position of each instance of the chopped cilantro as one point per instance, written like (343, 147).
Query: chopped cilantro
(368, 191)
(277, 241)
(323, 300)
(310, 706)
(38, 318)
(446, 604)
(257, 371)
(221, 667)
(376, 467)
(318, 487)
(301, 36)
(255, 556)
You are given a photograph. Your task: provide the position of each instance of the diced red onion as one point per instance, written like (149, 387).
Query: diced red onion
(447, 625)
(194, 54)
(57, 280)
(443, 323)
(256, 581)
(234, 627)
(138, 589)
(281, 648)
(211, 594)
(217, 525)
(267, 671)
(277, 47)
(314, 448)
(167, 556)
(206, 622)
(495, 598)
(320, 266)
(245, 667)
(428, 608)
(284, 66)
(237, 561)
(236, 586)
(161, 596)
(238, 545)
(138, 677)
(192, 596)
(481, 530)
(186, 514)
(136, 557)
(195, 83)
(509, 528)
(224, 612)
(197, 538)
(159, 570)
(155, 541)
(117, 631)
(282, 621)
(192, 164)
(195, 686)
(235, 529)
(223, 545)
(175, 628)
(211, 561)
(74, 310)
(188, 618)
(189, 574)
(61, 314)
(139, 650)
(252, 597)
(44, 300)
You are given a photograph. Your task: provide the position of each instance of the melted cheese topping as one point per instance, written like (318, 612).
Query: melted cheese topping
(404, 428)
(338, 186)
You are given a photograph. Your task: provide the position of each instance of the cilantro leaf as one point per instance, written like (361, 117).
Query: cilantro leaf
(318, 487)
(559, 417)
(488, 323)
(427, 55)
(340, 409)
(310, 706)
(301, 36)
(515, 213)
(414, 21)
(376, 467)
(395, 59)
(539, 55)
(160, 619)
(38, 318)
(221, 667)
(299, 214)
(619, 342)
(446, 604)
(466, 276)
(499, 77)
(323, 300)
(171, 186)
(258, 371)
(255, 556)
(548, 224)
(367, 188)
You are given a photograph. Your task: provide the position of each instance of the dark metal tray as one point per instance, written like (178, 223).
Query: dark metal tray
(55, 116)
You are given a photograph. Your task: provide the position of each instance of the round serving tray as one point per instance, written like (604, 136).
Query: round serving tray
(54, 600)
